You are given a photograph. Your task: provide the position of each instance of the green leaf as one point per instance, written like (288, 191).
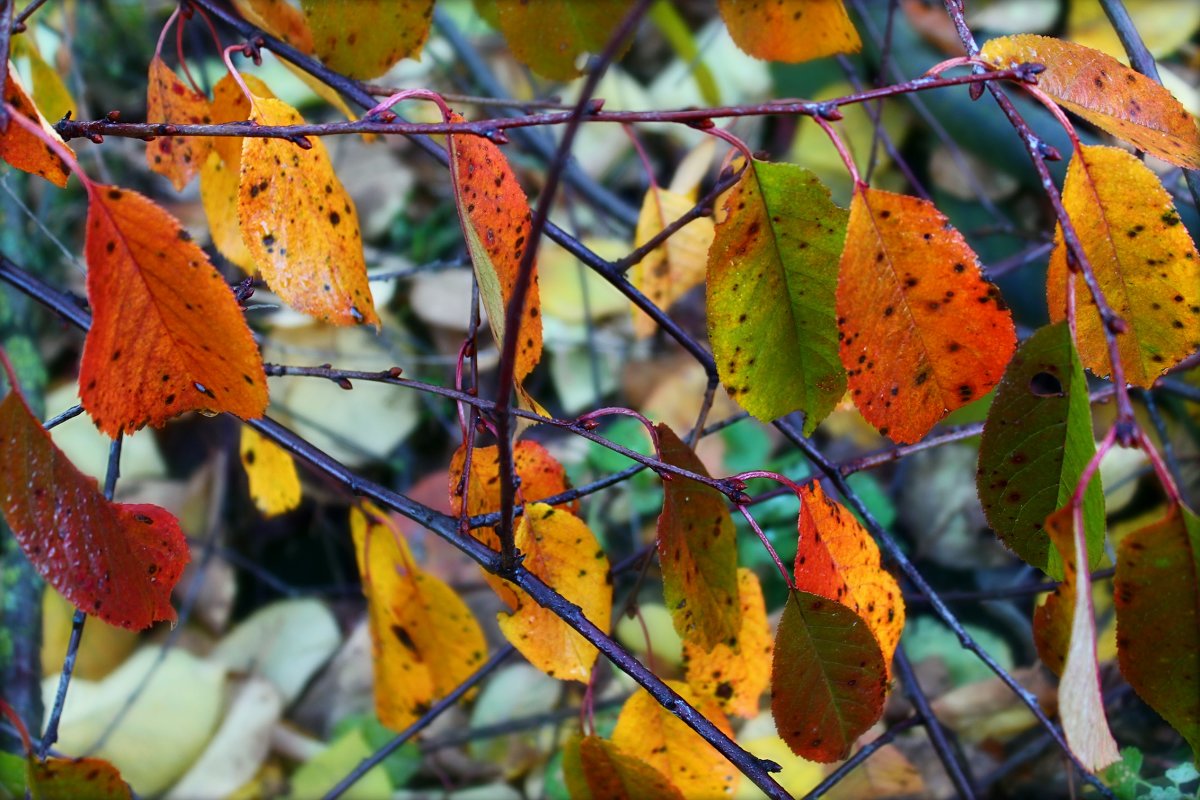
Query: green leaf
(828, 679)
(1036, 442)
(772, 280)
(549, 36)
(1157, 591)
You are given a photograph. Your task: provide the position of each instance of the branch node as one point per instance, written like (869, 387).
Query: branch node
(701, 124)
(976, 90)
(112, 116)
(828, 112)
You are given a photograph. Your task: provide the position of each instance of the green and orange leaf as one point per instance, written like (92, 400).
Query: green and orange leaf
(596, 769)
(828, 678)
(772, 282)
(674, 268)
(424, 639)
(1143, 259)
(167, 335)
(838, 559)
(300, 224)
(737, 671)
(922, 333)
(364, 38)
(1157, 593)
(116, 561)
(672, 748)
(697, 549)
(549, 36)
(790, 30)
(170, 100)
(22, 149)
(1064, 630)
(271, 472)
(1106, 93)
(60, 779)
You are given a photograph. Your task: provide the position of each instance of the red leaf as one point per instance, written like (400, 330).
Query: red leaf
(117, 561)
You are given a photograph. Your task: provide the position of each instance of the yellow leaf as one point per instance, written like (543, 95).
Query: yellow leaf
(674, 749)
(424, 639)
(1164, 25)
(674, 268)
(49, 91)
(736, 673)
(274, 484)
(300, 224)
(1143, 259)
(280, 18)
(561, 550)
(364, 38)
(790, 30)
(218, 195)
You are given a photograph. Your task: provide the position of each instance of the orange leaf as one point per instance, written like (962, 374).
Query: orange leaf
(790, 30)
(671, 747)
(495, 218)
(300, 225)
(21, 148)
(279, 18)
(167, 335)
(364, 38)
(1106, 93)
(271, 471)
(671, 270)
(839, 560)
(561, 550)
(922, 333)
(169, 99)
(70, 778)
(697, 548)
(424, 639)
(1143, 259)
(1065, 633)
(595, 769)
(738, 671)
(116, 561)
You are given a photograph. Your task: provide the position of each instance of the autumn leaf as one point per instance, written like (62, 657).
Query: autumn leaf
(1065, 634)
(170, 100)
(274, 483)
(1106, 93)
(424, 639)
(167, 335)
(364, 38)
(828, 678)
(922, 333)
(561, 550)
(24, 150)
(671, 747)
(1036, 442)
(671, 270)
(1157, 593)
(281, 19)
(300, 225)
(495, 218)
(772, 279)
(790, 30)
(736, 672)
(697, 549)
(50, 93)
(838, 559)
(1143, 259)
(70, 778)
(549, 36)
(595, 769)
(116, 561)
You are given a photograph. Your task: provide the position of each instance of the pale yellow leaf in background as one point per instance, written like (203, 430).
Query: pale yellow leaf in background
(674, 268)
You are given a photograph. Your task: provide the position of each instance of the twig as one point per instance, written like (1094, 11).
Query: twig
(951, 760)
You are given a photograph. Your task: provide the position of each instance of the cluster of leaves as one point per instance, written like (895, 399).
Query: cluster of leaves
(882, 307)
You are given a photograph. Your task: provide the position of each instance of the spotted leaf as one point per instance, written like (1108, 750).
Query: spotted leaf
(737, 671)
(790, 30)
(595, 769)
(671, 270)
(22, 149)
(170, 100)
(549, 36)
(364, 38)
(271, 471)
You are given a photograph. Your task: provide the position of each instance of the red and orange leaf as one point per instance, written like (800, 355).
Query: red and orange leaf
(671, 270)
(271, 472)
(73, 778)
(1157, 591)
(697, 548)
(1143, 259)
(167, 335)
(922, 333)
(1106, 93)
(561, 550)
(736, 672)
(280, 18)
(1064, 630)
(549, 36)
(671, 747)
(495, 218)
(22, 149)
(838, 559)
(790, 30)
(828, 678)
(169, 99)
(364, 38)
(424, 639)
(595, 769)
(116, 561)
(300, 225)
